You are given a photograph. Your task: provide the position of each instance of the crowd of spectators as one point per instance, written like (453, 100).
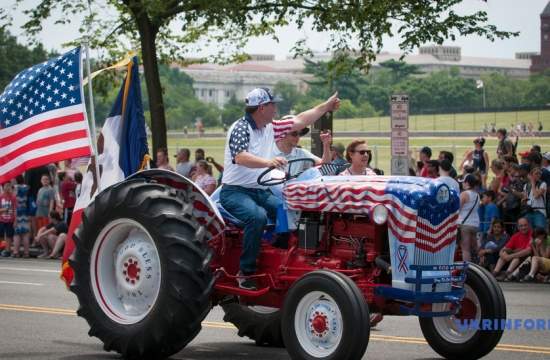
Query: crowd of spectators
(503, 216)
(504, 206)
(35, 209)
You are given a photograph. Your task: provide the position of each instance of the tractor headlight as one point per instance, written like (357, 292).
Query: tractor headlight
(442, 196)
(379, 214)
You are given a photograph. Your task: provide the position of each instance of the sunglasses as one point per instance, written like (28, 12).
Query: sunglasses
(294, 134)
(362, 152)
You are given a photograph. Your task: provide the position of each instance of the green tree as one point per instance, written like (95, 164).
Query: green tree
(538, 89)
(232, 110)
(346, 111)
(502, 91)
(290, 96)
(400, 70)
(148, 23)
(15, 57)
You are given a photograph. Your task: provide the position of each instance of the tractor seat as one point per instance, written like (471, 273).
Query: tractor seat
(226, 215)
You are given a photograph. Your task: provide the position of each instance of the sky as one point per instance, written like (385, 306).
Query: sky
(510, 15)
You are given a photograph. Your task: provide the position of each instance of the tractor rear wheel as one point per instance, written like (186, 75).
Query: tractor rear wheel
(325, 316)
(142, 274)
(259, 323)
(461, 336)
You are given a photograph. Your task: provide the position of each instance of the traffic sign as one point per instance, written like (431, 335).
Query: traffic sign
(399, 112)
(399, 142)
(399, 165)
(399, 106)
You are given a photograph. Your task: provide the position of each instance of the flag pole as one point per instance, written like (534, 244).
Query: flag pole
(92, 113)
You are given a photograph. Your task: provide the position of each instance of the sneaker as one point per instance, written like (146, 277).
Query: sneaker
(528, 278)
(246, 283)
(500, 276)
(510, 278)
(375, 318)
(6, 253)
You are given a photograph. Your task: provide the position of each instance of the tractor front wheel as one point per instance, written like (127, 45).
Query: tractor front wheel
(462, 336)
(325, 316)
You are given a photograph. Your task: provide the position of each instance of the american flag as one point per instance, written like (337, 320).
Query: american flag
(43, 117)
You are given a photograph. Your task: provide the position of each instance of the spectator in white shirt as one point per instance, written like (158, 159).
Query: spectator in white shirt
(183, 166)
(445, 168)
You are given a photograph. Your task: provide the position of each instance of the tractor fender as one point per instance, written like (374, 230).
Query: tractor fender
(204, 208)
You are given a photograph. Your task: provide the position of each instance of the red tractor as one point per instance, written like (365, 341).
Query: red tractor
(154, 254)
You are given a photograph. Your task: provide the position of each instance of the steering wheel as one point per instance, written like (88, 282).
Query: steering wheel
(277, 176)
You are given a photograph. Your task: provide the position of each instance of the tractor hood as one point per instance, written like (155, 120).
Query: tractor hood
(421, 214)
(359, 194)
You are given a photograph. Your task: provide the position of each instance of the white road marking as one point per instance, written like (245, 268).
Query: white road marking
(58, 271)
(20, 283)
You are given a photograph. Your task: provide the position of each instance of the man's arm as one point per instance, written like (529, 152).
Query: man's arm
(308, 117)
(211, 160)
(245, 158)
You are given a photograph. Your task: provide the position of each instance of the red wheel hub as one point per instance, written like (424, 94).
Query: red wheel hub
(319, 323)
(131, 270)
(467, 310)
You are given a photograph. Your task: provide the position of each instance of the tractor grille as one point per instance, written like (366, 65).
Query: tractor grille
(435, 240)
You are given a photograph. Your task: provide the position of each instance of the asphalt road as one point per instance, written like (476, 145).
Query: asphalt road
(38, 321)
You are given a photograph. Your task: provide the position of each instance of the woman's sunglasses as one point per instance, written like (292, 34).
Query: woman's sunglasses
(362, 152)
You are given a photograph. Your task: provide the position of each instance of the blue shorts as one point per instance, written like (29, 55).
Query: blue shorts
(6, 229)
(31, 210)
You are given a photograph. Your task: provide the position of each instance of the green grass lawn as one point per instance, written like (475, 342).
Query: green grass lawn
(381, 147)
(449, 122)
(443, 122)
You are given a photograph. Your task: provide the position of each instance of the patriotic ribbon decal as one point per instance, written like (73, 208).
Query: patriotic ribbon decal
(402, 255)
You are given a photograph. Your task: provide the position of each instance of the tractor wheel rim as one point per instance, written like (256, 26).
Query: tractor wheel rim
(125, 271)
(459, 328)
(318, 324)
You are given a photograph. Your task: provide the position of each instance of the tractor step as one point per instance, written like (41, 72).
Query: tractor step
(235, 290)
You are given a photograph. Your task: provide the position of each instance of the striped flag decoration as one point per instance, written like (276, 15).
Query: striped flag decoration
(43, 117)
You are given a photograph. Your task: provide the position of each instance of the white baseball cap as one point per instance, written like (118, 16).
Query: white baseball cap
(261, 96)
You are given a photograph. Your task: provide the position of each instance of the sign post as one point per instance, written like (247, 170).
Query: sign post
(399, 105)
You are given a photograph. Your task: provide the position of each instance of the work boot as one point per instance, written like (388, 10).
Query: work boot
(246, 283)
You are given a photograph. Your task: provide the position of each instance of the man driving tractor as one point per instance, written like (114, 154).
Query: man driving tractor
(250, 141)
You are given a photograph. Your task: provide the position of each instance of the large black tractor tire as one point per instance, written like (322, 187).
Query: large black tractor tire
(325, 316)
(264, 327)
(142, 273)
(465, 340)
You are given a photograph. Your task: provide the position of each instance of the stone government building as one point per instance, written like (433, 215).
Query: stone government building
(217, 83)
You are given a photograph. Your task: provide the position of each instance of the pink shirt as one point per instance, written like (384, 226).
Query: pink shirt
(8, 202)
(204, 180)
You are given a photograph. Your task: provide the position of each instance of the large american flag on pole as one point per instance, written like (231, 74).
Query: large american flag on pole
(43, 116)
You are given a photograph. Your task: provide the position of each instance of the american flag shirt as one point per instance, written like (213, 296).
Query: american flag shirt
(244, 135)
